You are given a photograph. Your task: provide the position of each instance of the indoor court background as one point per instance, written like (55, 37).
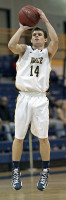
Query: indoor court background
(31, 160)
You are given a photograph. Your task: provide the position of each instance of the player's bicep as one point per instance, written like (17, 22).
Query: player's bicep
(52, 48)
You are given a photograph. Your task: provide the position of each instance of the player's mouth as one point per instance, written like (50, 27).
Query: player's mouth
(36, 39)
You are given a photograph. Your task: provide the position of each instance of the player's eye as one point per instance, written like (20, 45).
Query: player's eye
(39, 34)
(34, 34)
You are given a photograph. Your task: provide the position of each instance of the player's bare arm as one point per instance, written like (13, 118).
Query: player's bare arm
(53, 44)
(14, 45)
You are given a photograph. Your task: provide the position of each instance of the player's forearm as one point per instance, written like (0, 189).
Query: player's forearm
(15, 39)
(51, 31)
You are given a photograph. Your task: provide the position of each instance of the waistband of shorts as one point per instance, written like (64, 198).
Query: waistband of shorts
(33, 93)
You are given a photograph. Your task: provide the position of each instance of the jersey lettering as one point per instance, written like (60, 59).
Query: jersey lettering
(37, 60)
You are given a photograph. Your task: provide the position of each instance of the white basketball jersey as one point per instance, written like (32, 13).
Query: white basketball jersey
(33, 71)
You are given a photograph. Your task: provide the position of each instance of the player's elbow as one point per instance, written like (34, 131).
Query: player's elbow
(10, 45)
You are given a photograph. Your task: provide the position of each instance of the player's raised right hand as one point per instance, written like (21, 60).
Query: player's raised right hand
(25, 27)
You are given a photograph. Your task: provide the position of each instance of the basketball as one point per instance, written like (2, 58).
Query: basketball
(29, 16)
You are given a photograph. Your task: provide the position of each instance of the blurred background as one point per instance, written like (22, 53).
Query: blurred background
(56, 13)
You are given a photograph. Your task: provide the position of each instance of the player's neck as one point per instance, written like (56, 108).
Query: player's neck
(38, 47)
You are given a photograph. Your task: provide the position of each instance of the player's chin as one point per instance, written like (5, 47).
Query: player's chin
(37, 42)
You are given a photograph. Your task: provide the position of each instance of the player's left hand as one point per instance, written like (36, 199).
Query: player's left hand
(42, 15)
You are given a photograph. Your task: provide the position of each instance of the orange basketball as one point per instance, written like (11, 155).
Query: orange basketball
(28, 16)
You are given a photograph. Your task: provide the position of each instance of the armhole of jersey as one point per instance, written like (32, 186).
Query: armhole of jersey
(48, 55)
(49, 59)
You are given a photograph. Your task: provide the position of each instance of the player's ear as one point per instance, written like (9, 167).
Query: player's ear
(31, 40)
(45, 40)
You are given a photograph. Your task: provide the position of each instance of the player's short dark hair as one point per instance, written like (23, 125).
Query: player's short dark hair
(39, 29)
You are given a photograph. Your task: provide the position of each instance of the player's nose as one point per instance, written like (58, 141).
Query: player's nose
(37, 36)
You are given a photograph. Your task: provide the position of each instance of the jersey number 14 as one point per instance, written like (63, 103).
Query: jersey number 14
(36, 71)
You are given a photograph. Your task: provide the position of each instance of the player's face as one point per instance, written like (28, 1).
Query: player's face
(38, 39)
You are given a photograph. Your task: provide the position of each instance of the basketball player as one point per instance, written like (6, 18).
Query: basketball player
(32, 80)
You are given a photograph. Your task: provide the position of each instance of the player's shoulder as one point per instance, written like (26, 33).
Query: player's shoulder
(23, 48)
(45, 50)
(25, 51)
(28, 48)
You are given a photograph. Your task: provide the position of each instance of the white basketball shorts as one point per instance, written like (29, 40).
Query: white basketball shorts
(31, 108)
